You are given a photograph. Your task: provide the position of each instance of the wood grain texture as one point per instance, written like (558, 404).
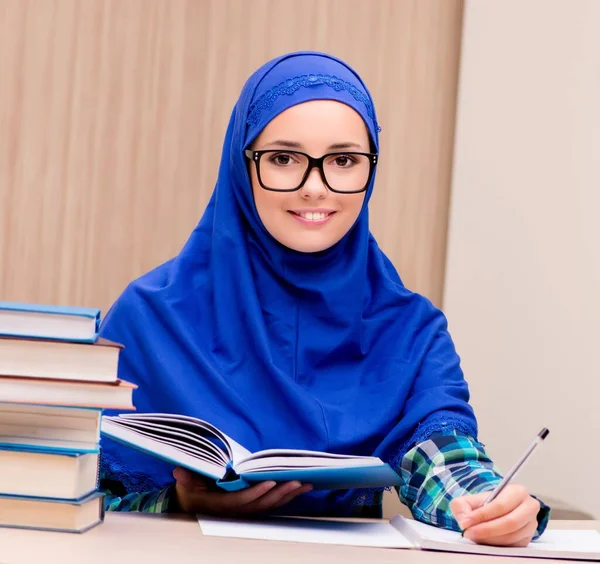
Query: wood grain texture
(112, 116)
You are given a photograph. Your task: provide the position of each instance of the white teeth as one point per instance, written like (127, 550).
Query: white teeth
(313, 216)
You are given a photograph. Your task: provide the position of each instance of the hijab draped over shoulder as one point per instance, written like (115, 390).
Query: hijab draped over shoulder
(325, 351)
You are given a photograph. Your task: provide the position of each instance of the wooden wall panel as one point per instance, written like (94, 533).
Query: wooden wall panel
(112, 116)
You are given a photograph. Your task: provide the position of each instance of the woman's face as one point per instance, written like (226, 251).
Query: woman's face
(312, 218)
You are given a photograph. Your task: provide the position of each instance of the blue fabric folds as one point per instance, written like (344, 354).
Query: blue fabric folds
(325, 351)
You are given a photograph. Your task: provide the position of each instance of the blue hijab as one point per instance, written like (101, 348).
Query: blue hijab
(325, 351)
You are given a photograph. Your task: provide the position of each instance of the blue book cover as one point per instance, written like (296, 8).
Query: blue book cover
(377, 476)
(64, 449)
(40, 321)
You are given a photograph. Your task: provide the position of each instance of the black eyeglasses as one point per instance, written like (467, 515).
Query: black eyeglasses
(287, 171)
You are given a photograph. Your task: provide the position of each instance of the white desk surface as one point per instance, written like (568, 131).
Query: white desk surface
(177, 539)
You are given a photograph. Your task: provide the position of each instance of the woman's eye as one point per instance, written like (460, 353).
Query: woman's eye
(344, 161)
(282, 159)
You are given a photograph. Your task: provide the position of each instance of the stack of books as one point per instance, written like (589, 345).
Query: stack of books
(56, 377)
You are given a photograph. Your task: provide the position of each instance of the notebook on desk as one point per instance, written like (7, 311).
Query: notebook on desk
(399, 533)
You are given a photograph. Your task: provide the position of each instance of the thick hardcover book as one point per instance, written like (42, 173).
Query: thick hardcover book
(201, 447)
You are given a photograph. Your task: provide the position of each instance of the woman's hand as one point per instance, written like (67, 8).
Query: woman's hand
(194, 496)
(509, 520)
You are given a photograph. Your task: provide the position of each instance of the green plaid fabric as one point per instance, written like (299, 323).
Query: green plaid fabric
(158, 501)
(436, 471)
(444, 467)
(433, 473)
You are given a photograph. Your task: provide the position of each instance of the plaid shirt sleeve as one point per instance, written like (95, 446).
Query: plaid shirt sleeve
(442, 468)
(147, 502)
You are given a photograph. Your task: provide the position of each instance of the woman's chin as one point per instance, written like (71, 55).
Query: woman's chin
(309, 245)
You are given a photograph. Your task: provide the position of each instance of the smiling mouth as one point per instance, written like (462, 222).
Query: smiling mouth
(312, 216)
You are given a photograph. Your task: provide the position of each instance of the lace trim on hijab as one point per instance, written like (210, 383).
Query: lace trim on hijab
(370, 498)
(121, 481)
(444, 424)
(292, 85)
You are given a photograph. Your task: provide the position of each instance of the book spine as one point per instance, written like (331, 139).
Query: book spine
(102, 508)
(98, 465)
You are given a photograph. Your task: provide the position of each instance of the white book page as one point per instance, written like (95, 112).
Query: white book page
(69, 445)
(206, 455)
(168, 452)
(319, 531)
(193, 425)
(299, 453)
(553, 543)
(192, 442)
(47, 324)
(288, 462)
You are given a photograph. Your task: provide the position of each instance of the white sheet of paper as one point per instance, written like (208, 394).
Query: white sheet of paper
(585, 540)
(381, 535)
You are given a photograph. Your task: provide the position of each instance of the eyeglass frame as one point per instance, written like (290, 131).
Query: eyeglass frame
(313, 162)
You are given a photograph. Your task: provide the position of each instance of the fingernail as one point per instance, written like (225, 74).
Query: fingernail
(465, 522)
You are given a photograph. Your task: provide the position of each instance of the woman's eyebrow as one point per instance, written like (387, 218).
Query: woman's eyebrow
(347, 145)
(296, 145)
(284, 143)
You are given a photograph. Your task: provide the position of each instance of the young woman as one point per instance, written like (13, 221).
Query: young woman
(283, 323)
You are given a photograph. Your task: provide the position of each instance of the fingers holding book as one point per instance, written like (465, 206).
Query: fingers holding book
(194, 494)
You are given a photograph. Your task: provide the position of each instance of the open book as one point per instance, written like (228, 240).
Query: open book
(201, 447)
(399, 533)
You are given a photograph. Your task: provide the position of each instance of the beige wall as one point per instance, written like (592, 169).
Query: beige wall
(112, 116)
(523, 273)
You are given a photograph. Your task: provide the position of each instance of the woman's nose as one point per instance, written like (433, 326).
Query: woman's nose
(314, 187)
